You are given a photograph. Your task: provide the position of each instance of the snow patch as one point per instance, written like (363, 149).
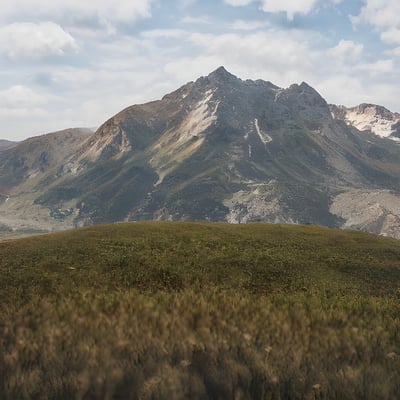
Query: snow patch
(368, 118)
(264, 137)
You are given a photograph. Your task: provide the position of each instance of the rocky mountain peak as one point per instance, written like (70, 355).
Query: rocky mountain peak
(306, 94)
(370, 117)
(221, 74)
(217, 78)
(304, 101)
(220, 149)
(373, 108)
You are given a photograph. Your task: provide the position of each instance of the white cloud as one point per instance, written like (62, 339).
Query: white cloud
(115, 70)
(353, 90)
(381, 67)
(242, 25)
(343, 89)
(289, 6)
(21, 108)
(20, 96)
(348, 59)
(199, 19)
(187, 69)
(115, 10)
(238, 3)
(383, 14)
(393, 52)
(279, 56)
(164, 34)
(391, 36)
(347, 50)
(35, 41)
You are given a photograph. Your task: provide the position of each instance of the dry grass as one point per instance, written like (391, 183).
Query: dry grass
(105, 313)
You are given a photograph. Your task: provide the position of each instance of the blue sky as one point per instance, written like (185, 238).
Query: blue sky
(75, 63)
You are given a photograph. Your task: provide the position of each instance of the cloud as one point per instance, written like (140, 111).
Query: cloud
(391, 36)
(393, 52)
(25, 108)
(281, 56)
(198, 19)
(381, 67)
(384, 16)
(289, 6)
(118, 64)
(347, 50)
(238, 3)
(343, 89)
(35, 41)
(349, 59)
(164, 34)
(114, 10)
(242, 25)
(20, 96)
(379, 13)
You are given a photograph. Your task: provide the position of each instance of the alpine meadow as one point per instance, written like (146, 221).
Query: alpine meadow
(160, 310)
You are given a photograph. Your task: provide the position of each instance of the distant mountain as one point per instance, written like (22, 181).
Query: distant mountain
(6, 144)
(217, 149)
(26, 171)
(370, 117)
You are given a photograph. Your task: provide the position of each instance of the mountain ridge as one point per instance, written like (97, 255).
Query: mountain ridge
(221, 149)
(7, 144)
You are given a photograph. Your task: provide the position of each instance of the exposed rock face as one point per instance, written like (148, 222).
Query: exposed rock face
(219, 149)
(36, 156)
(369, 210)
(27, 170)
(371, 117)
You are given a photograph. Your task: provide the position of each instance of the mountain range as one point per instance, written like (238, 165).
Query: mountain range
(217, 149)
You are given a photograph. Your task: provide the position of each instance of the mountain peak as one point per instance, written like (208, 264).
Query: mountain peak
(222, 74)
(220, 149)
(375, 118)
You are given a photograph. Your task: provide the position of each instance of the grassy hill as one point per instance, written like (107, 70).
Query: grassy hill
(197, 310)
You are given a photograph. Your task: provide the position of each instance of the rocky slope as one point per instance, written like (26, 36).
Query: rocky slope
(370, 117)
(26, 171)
(6, 144)
(219, 149)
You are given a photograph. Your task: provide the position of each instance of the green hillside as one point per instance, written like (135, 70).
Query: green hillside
(197, 310)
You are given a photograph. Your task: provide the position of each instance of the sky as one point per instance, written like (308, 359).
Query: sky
(75, 63)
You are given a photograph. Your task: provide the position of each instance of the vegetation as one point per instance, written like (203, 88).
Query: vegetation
(185, 310)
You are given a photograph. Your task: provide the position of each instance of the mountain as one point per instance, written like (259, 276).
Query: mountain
(6, 144)
(371, 117)
(26, 170)
(217, 149)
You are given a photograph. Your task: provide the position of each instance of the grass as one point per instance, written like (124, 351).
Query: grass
(184, 310)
